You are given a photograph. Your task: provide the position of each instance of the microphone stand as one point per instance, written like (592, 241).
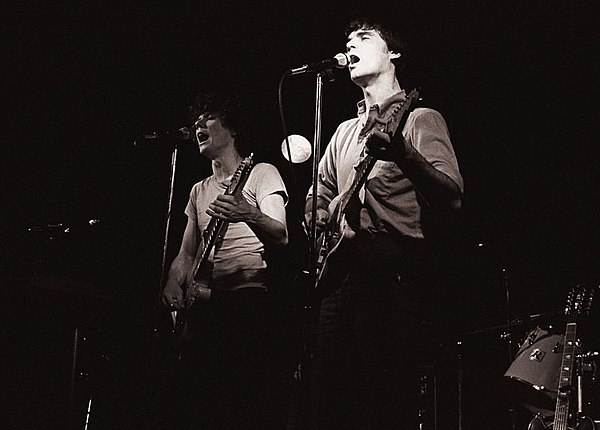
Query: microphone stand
(311, 305)
(164, 271)
(316, 154)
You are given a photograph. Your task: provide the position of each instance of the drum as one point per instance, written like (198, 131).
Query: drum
(535, 370)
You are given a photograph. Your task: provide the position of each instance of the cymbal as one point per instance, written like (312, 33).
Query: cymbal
(515, 323)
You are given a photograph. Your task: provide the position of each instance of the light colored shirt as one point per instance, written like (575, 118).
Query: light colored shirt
(240, 249)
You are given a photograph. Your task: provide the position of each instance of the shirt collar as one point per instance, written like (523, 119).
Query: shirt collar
(362, 106)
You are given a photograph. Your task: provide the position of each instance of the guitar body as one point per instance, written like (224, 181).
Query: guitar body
(540, 423)
(586, 423)
(328, 243)
(329, 254)
(197, 289)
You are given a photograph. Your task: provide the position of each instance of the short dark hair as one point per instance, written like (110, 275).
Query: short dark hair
(394, 40)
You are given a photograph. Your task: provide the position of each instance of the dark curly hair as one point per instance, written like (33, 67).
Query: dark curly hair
(226, 106)
(394, 40)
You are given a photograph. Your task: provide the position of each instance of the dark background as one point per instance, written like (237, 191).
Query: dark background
(82, 82)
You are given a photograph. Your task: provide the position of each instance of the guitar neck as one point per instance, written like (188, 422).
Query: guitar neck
(561, 414)
(215, 225)
(211, 234)
(361, 177)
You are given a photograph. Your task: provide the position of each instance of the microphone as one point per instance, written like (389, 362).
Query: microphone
(182, 134)
(339, 61)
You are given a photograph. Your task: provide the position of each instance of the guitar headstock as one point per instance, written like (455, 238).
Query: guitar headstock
(397, 117)
(579, 301)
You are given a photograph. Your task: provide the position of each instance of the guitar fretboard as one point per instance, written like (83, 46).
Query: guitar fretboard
(561, 414)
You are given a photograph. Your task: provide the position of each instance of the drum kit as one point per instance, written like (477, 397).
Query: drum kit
(535, 371)
(554, 372)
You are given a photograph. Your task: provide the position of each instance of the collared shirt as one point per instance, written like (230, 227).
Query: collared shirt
(390, 202)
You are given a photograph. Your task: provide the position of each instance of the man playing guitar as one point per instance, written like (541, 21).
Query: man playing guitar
(364, 348)
(218, 279)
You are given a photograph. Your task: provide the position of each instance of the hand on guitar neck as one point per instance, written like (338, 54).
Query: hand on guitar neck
(383, 146)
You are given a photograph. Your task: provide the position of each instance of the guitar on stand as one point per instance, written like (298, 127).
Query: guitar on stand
(578, 303)
(196, 285)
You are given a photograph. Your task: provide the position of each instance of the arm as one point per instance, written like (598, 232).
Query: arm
(429, 161)
(326, 187)
(181, 266)
(266, 221)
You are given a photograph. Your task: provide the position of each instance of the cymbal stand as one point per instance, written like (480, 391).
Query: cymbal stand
(509, 348)
(507, 335)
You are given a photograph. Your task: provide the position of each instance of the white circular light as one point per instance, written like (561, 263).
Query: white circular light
(300, 148)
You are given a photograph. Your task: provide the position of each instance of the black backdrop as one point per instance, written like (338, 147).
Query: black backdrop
(83, 81)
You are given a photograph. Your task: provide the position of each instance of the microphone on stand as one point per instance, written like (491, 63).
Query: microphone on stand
(60, 227)
(339, 61)
(181, 134)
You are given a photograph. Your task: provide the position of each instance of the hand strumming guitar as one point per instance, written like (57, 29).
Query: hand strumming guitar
(321, 221)
(173, 296)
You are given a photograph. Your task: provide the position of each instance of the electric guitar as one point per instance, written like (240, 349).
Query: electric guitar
(196, 286)
(578, 303)
(390, 122)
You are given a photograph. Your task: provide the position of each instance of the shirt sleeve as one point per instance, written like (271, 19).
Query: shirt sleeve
(428, 133)
(190, 209)
(266, 180)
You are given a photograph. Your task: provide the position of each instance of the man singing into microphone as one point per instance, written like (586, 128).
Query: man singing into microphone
(365, 347)
(229, 365)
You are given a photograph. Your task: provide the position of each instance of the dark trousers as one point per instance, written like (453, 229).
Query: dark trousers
(231, 375)
(366, 349)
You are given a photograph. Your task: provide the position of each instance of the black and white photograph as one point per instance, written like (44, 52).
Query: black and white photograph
(310, 215)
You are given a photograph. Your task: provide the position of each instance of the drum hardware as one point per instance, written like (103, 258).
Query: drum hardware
(581, 417)
(535, 369)
(571, 364)
(588, 354)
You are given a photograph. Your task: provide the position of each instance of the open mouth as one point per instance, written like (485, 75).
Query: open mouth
(353, 59)
(201, 137)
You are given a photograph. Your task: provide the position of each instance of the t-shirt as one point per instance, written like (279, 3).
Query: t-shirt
(240, 249)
